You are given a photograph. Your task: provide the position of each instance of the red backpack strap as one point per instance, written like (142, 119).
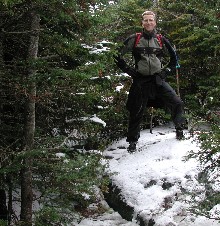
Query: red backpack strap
(137, 39)
(160, 40)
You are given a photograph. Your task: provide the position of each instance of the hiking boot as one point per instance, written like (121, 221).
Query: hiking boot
(132, 147)
(179, 134)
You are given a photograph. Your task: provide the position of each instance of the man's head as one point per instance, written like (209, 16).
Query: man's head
(148, 21)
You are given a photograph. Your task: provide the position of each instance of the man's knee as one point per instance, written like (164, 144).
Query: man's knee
(178, 102)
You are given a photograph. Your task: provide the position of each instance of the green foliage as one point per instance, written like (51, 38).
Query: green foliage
(68, 177)
(65, 179)
(66, 94)
(3, 223)
(208, 156)
(48, 216)
(210, 144)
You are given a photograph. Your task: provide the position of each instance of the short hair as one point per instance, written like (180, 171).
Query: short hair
(149, 13)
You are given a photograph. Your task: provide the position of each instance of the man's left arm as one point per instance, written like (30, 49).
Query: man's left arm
(173, 56)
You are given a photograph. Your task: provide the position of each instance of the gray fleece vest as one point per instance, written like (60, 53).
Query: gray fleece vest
(146, 56)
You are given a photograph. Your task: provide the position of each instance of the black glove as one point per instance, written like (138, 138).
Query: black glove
(165, 72)
(130, 71)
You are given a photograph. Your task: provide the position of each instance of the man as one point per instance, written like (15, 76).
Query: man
(149, 77)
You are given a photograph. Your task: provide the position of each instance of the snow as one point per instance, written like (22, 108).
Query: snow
(60, 155)
(119, 87)
(152, 181)
(93, 118)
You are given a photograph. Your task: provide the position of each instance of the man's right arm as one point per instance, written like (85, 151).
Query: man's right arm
(119, 58)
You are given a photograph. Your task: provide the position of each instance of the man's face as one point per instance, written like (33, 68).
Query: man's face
(148, 22)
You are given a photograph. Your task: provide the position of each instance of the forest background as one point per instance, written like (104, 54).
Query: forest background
(57, 74)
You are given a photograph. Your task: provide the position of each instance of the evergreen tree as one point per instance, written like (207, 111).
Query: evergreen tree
(51, 82)
(194, 27)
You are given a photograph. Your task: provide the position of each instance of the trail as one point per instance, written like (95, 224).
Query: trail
(155, 181)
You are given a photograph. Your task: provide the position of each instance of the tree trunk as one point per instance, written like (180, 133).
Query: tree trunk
(1, 49)
(3, 206)
(10, 199)
(26, 172)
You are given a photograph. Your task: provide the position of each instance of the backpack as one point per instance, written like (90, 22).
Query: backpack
(138, 36)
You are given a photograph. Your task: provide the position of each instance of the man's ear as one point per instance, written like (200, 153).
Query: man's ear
(141, 23)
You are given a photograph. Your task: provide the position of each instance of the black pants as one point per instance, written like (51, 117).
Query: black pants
(140, 92)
